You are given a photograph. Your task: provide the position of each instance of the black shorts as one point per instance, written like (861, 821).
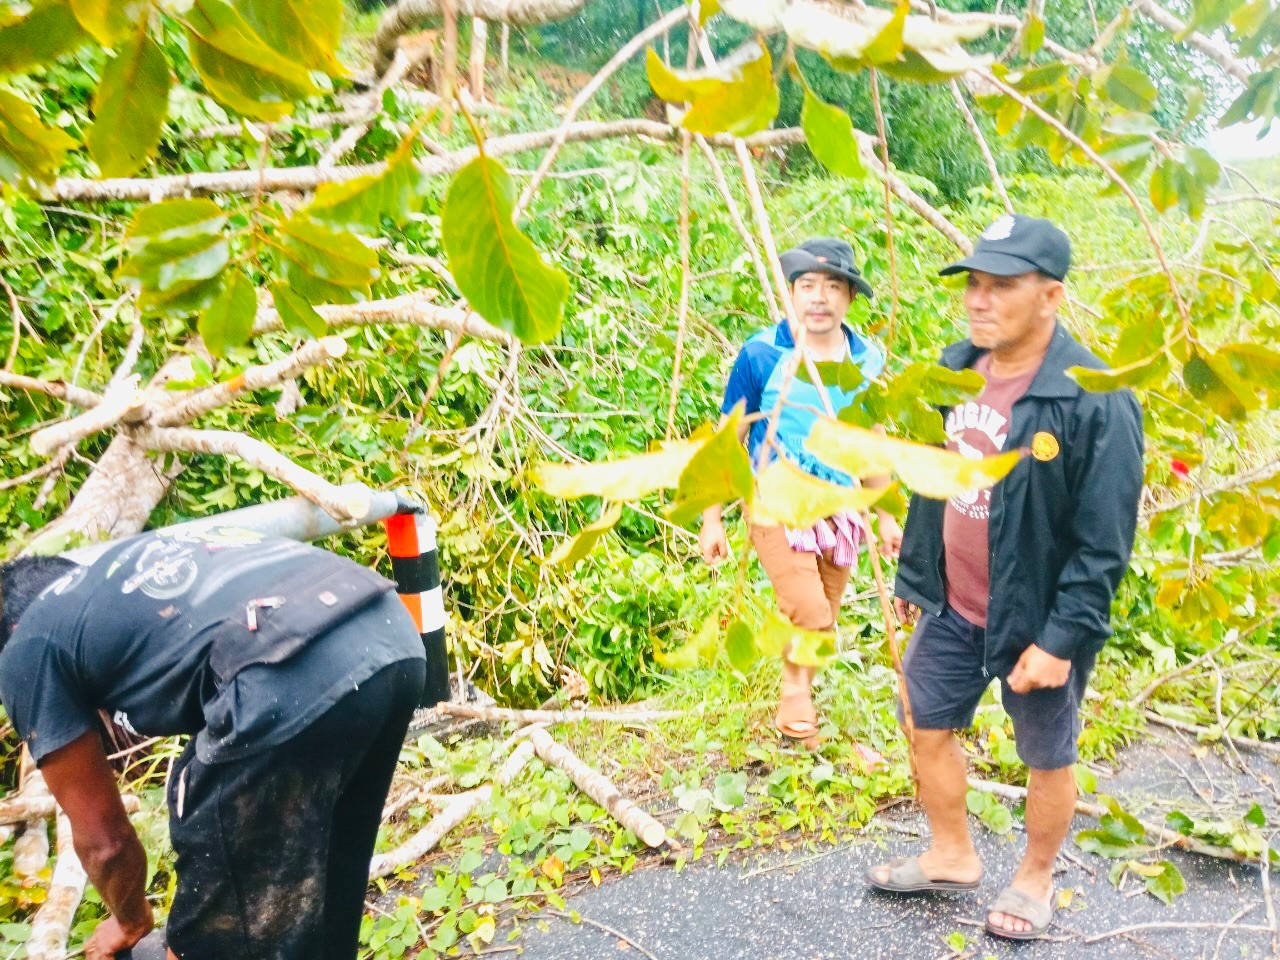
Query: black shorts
(945, 681)
(273, 849)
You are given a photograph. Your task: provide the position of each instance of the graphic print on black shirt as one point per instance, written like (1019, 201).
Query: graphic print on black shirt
(131, 634)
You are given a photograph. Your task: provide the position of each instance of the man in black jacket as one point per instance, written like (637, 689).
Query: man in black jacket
(1015, 583)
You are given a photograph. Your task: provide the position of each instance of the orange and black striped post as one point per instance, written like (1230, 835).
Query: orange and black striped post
(415, 564)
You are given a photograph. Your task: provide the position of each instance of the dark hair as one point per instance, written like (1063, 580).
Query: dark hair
(21, 581)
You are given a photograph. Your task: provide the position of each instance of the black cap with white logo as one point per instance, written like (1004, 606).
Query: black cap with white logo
(824, 255)
(1016, 244)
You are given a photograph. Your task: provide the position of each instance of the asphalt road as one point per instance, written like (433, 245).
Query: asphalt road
(817, 906)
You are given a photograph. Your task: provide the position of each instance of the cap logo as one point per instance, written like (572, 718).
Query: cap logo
(1000, 230)
(821, 259)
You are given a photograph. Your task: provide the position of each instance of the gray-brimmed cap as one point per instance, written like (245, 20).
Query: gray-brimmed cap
(824, 255)
(1016, 244)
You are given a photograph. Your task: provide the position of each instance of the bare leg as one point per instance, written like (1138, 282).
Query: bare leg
(1051, 803)
(941, 769)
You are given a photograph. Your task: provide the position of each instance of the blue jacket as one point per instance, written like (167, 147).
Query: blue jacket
(756, 379)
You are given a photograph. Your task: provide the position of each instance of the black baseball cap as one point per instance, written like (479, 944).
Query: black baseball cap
(824, 255)
(1017, 244)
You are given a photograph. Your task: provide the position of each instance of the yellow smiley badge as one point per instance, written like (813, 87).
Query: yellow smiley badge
(1044, 446)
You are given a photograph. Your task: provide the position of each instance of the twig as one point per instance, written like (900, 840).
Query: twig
(439, 826)
(988, 157)
(1263, 471)
(507, 715)
(682, 310)
(599, 788)
(883, 137)
(1224, 58)
(1135, 928)
(579, 918)
(628, 50)
(54, 388)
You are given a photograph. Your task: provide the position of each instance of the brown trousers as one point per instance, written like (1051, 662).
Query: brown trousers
(808, 587)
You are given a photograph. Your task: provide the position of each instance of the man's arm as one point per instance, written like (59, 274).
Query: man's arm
(1105, 488)
(84, 785)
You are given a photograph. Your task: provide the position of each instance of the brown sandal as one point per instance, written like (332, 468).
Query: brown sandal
(797, 718)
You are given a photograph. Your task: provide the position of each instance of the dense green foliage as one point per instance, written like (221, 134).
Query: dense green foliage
(465, 419)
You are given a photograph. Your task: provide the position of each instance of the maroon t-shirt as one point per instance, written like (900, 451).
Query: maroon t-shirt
(976, 429)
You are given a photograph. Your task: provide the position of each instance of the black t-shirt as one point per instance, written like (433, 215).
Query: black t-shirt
(131, 634)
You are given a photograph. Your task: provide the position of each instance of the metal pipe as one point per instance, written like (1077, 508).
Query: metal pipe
(294, 517)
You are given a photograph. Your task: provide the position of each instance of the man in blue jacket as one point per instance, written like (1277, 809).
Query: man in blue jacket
(1015, 583)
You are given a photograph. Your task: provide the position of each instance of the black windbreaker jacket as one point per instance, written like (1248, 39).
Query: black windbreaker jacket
(1062, 521)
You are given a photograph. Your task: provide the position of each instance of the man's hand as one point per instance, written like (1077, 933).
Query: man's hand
(907, 612)
(1038, 670)
(713, 541)
(890, 536)
(109, 938)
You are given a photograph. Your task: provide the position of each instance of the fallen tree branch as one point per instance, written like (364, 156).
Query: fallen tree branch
(344, 504)
(311, 354)
(52, 923)
(273, 179)
(23, 807)
(1165, 836)
(117, 405)
(413, 309)
(1263, 471)
(31, 849)
(1139, 927)
(54, 388)
(439, 826)
(410, 14)
(1220, 55)
(507, 715)
(599, 788)
(1186, 668)
(359, 126)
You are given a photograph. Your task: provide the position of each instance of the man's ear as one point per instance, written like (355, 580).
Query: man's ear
(1055, 291)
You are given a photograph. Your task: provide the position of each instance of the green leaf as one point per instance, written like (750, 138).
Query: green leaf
(240, 70)
(176, 250)
(698, 650)
(297, 315)
(1130, 87)
(730, 790)
(1086, 779)
(1255, 816)
(228, 321)
(323, 265)
(1032, 35)
(575, 548)
(1051, 76)
(719, 472)
(305, 31)
(361, 203)
(812, 648)
(129, 107)
(1211, 380)
(1167, 884)
(110, 20)
(939, 385)
(829, 132)
(27, 147)
(1139, 374)
(498, 269)
(740, 647)
(788, 496)
(927, 470)
(1164, 187)
(1143, 124)
(1179, 821)
(48, 32)
(844, 374)
(742, 103)
(627, 479)
(888, 44)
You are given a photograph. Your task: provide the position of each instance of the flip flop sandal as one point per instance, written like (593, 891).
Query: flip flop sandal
(905, 876)
(797, 719)
(1023, 906)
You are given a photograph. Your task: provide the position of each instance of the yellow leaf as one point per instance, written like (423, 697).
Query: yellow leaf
(575, 548)
(485, 928)
(789, 496)
(627, 479)
(698, 650)
(553, 869)
(717, 473)
(810, 648)
(929, 471)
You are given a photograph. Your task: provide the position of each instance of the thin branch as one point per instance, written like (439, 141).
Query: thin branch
(883, 136)
(344, 504)
(311, 354)
(1263, 471)
(1214, 51)
(308, 178)
(411, 309)
(346, 142)
(619, 59)
(1243, 198)
(54, 388)
(972, 123)
(117, 405)
(52, 924)
(57, 463)
(682, 309)
(506, 715)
